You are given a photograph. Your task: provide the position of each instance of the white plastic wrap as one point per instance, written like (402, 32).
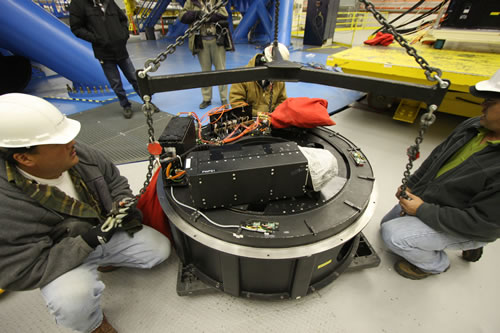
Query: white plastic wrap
(322, 166)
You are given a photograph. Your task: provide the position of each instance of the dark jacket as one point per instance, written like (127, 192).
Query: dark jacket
(192, 11)
(465, 200)
(31, 255)
(107, 32)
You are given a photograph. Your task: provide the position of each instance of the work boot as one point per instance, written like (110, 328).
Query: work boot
(410, 271)
(127, 112)
(105, 327)
(205, 104)
(472, 255)
(224, 101)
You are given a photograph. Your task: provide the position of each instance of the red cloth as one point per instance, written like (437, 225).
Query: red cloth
(301, 112)
(380, 38)
(152, 213)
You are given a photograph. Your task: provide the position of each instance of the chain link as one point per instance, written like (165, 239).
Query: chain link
(152, 65)
(431, 73)
(413, 152)
(148, 110)
(275, 44)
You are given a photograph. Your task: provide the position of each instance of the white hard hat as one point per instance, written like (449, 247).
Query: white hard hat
(268, 54)
(28, 120)
(488, 88)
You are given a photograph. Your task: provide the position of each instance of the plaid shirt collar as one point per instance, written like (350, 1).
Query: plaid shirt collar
(53, 198)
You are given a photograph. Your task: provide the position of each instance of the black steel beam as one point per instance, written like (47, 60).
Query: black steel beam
(291, 72)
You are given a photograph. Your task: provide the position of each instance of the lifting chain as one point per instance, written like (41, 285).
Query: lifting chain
(152, 65)
(147, 108)
(275, 45)
(432, 74)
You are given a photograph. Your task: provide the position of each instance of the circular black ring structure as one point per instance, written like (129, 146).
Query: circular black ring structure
(302, 220)
(316, 240)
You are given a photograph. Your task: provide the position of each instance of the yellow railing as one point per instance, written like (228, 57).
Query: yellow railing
(357, 21)
(346, 21)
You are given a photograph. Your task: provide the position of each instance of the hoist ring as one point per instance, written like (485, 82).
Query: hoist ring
(147, 108)
(430, 70)
(428, 119)
(152, 65)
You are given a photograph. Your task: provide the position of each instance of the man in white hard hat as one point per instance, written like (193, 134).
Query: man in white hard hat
(56, 198)
(453, 197)
(258, 93)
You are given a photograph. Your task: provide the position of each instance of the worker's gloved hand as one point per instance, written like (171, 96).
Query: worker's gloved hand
(129, 217)
(99, 234)
(132, 222)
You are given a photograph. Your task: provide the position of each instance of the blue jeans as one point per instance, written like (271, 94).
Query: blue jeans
(110, 68)
(410, 238)
(74, 297)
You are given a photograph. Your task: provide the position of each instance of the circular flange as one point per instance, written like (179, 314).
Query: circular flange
(266, 253)
(303, 221)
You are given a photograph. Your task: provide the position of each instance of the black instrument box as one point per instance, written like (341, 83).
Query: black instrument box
(179, 133)
(477, 14)
(234, 174)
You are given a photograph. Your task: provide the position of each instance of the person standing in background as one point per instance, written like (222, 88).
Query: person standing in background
(209, 43)
(105, 26)
(257, 93)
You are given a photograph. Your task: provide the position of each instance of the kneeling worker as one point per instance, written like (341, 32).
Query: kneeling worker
(453, 196)
(56, 196)
(257, 93)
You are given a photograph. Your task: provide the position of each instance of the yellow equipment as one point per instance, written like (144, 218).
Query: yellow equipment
(463, 69)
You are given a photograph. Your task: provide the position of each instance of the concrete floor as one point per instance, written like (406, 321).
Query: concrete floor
(464, 299)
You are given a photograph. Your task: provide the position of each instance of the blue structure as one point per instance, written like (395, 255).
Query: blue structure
(258, 16)
(155, 9)
(41, 37)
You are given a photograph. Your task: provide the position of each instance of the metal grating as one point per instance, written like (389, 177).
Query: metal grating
(121, 140)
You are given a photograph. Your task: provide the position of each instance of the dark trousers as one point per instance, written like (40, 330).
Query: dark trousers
(110, 68)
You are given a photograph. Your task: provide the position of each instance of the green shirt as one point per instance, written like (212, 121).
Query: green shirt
(472, 147)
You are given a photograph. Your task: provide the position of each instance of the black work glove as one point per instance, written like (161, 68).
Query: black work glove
(98, 235)
(102, 233)
(133, 221)
(128, 216)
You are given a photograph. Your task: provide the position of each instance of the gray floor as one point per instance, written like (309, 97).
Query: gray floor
(465, 299)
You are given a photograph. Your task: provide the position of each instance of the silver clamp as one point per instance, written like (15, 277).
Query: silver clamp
(429, 118)
(442, 83)
(150, 66)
